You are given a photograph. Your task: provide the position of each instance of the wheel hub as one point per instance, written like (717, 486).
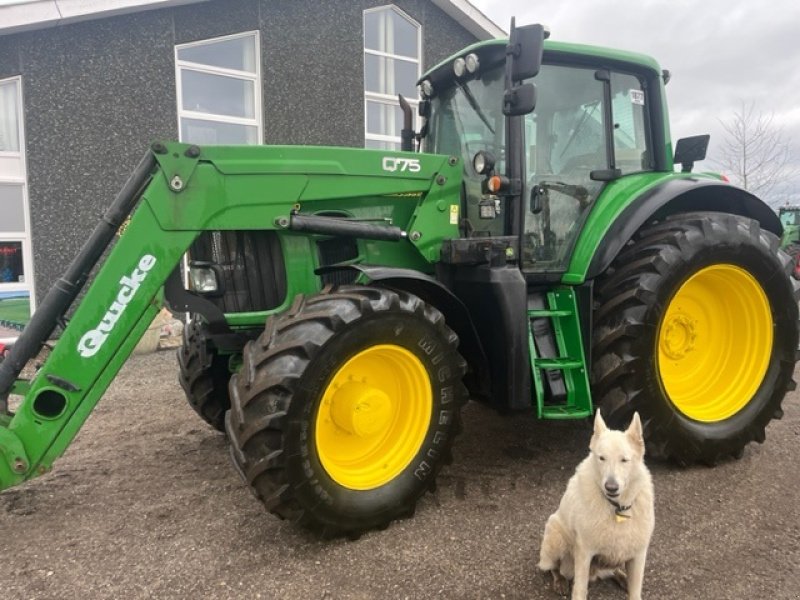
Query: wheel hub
(361, 409)
(679, 336)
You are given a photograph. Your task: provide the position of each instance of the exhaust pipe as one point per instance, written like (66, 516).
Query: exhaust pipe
(407, 133)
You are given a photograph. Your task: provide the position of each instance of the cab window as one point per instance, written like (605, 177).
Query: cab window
(630, 127)
(565, 141)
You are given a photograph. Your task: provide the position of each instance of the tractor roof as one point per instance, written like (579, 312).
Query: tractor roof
(495, 51)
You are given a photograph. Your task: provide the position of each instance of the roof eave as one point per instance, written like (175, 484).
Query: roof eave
(26, 15)
(471, 19)
(41, 14)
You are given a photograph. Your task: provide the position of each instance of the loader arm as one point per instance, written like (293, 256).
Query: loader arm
(176, 192)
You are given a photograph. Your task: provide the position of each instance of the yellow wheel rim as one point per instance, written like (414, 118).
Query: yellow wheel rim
(373, 417)
(714, 343)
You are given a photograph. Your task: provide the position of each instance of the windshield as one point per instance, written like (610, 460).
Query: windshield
(789, 217)
(566, 138)
(466, 118)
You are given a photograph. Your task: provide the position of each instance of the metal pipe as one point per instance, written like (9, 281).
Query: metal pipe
(343, 227)
(407, 133)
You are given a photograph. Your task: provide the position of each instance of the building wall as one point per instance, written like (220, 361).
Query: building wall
(97, 93)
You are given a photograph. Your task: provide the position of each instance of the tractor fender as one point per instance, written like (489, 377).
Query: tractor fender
(677, 195)
(436, 294)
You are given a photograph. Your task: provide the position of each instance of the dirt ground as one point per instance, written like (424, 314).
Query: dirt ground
(145, 505)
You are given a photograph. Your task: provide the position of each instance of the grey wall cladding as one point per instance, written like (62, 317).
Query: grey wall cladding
(97, 93)
(314, 65)
(9, 57)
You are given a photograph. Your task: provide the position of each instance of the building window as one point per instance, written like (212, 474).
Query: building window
(392, 60)
(9, 116)
(16, 260)
(219, 90)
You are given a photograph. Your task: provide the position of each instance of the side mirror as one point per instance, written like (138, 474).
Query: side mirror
(523, 61)
(525, 48)
(519, 100)
(689, 150)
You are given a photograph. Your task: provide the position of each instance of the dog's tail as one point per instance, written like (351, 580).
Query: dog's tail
(554, 545)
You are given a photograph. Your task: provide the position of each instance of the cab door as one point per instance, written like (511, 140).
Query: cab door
(589, 127)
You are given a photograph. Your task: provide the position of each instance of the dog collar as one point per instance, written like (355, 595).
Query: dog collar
(619, 510)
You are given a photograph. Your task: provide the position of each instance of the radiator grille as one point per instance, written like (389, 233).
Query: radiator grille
(336, 250)
(252, 264)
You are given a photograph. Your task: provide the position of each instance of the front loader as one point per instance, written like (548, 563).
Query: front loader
(531, 247)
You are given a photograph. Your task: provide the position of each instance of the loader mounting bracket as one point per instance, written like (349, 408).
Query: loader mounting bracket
(177, 162)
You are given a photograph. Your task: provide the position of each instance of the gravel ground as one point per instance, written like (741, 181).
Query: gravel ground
(145, 505)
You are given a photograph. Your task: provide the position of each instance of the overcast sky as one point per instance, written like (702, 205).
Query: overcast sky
(719, 52)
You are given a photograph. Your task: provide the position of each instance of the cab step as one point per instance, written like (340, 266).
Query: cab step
(558, 361)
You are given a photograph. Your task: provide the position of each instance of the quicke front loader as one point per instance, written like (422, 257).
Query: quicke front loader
(537, 250)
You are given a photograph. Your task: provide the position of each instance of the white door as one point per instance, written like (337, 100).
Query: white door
(16, 261)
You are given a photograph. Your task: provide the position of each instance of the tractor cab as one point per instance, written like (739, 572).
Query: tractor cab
(591, 124)
(790, 220)
(789, 216)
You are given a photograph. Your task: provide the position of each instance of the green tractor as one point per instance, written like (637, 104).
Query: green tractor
(790, 220)
(790, 241)
(531, 247)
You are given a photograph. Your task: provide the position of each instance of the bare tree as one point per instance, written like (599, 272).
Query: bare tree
(755, 152)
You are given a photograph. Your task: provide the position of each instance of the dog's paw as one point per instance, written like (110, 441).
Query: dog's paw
(554, 579)
(560, 584)
(620, 577)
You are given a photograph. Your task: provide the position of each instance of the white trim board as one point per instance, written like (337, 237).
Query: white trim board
(471, 19)
(24, 15)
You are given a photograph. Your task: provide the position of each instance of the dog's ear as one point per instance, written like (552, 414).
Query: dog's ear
(599, 424)
(634, 431)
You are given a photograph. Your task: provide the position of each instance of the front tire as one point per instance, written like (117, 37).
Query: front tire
(346, 408)
(697, 330)
(204, 376)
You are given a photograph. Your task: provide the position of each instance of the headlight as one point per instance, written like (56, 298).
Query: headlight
(472, 62)
(203, 277)
(483, 162)
(426, 87)
(459, 66)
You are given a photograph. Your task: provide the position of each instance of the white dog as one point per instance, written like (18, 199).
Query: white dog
(603, 525)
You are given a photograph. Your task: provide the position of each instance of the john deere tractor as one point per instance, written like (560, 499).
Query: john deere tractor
(531, 247)
(790, 220)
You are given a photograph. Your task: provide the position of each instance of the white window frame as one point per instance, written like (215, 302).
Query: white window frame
(13, 170)
(257, 120)
(386, 98)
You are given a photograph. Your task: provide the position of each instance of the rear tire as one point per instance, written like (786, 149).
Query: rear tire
(297, 426)
(204, 376)
(793, 250)
(678, 309)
